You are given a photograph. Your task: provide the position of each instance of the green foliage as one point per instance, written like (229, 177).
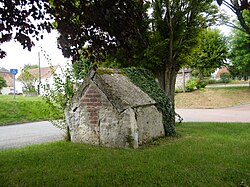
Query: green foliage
(145, 80)
(240, 9)
(191, 85)
(81, 68)
(201, 84)
(65, 86)
(240, 52)
(195, 83)
(2, 82)
(213, 81)
(210, 52)
(174, 32)
(225, 77)
(28, 80)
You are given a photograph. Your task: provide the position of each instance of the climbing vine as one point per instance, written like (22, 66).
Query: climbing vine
(144, 79)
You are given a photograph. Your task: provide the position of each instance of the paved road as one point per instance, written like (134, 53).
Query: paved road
(20, 135)
(230, 114)
(12, 136)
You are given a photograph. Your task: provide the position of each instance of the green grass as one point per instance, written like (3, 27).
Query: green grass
(23, 109)
(213, 97)
(204, 154)
(231, 88)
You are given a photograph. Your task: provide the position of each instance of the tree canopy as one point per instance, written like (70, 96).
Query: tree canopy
(240, 53)
(99, 27)
(210, 52)
(23, 20)
(27, 78)
(175, 26)
(96, 29)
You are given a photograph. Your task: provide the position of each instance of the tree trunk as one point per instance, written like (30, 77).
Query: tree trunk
(167, 80)
(170, 78)
(161, 78)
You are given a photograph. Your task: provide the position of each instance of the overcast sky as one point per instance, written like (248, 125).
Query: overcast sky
(17, 56)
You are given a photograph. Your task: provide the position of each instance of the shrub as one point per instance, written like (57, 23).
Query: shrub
(65, 86)
(191, 85)
(214, 81)
(201, 84)
(225, 77)
(195, 83)
(2, 82)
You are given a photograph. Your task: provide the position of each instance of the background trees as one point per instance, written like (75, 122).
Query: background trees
(2, 82)
(210, 52)
(175, 26)
(119, 29)
(240, 52)
(27, 79)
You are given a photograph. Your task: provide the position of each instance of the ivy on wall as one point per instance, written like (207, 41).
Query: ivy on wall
(144, 79)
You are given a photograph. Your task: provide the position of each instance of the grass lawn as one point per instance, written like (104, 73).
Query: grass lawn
(23, 109)
(203, 154)
(213, 97)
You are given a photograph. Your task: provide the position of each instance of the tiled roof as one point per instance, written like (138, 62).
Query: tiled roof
(46, 72)
(7, 76)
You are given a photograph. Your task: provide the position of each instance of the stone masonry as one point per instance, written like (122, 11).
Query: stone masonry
(109, 110)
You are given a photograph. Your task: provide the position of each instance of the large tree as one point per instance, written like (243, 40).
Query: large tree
(27, 78)
(240, 52)
(210, 52)
(23, 20)
(99, 28)
(174, 32)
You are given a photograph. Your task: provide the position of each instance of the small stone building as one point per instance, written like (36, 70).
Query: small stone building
(109, 110)
(183, 75)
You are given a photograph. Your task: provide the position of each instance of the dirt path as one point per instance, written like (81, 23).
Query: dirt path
(231, 114)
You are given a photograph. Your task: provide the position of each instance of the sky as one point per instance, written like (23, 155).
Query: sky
(17, 57)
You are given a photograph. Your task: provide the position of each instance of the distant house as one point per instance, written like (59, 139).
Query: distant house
(46, 76)
(10, 83)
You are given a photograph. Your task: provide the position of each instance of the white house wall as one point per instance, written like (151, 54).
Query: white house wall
(8, 90)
